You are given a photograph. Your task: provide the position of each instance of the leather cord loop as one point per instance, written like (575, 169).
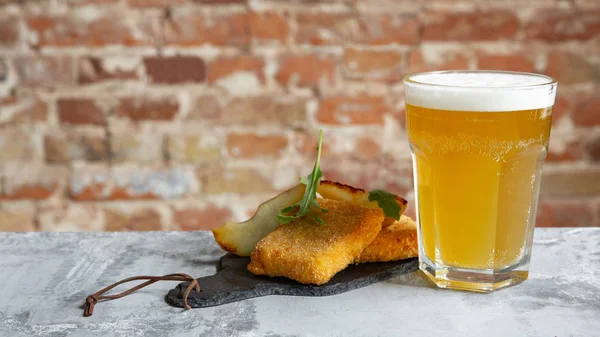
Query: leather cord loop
(98, 296)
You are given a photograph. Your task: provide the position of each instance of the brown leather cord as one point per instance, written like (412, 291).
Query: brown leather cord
(94, 298)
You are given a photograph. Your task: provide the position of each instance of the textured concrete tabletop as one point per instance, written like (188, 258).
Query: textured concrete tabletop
(45, 277)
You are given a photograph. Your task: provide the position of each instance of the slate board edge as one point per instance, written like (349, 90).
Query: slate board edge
(174, 297)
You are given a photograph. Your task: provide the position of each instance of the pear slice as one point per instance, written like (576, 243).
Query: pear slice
(240, 238)
(340, 192)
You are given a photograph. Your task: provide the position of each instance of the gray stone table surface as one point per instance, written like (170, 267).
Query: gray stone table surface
(45, 277)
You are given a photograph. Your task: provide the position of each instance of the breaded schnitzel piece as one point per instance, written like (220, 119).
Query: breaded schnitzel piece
(396, 241)
(311, 253)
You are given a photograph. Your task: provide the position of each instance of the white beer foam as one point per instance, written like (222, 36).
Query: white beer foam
(480, 91)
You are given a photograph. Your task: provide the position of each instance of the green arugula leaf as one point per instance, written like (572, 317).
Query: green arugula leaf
(309, 198)
(386, 202)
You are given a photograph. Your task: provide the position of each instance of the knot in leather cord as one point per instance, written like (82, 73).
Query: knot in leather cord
(91, 300)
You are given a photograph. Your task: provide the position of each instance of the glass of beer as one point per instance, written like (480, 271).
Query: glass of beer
(478, 139)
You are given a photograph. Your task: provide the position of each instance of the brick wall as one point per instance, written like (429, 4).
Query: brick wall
(166, 115)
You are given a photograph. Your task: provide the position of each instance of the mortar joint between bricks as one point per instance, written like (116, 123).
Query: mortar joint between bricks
(108, 134)
(166, 17)
(165, 149)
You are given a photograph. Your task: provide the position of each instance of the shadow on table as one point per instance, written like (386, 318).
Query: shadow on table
(202, 262)
(414, 279)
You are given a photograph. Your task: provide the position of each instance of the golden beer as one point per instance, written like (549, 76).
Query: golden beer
(478, 141)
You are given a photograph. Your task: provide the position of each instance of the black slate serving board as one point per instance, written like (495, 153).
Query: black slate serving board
(233, 282)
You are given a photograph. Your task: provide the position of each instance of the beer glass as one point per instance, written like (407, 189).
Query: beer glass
(478, 139)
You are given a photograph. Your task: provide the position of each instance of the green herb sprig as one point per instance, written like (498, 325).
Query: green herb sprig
(309, 198)
(387, 202)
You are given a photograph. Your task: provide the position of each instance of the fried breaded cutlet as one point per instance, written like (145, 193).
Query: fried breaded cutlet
(396, 241)
(311, 253)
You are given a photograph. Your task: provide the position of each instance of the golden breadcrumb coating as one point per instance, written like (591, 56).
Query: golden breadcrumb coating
(396, 241)
(311, 253)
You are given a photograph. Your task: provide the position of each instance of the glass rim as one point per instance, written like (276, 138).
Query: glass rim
(408, 79)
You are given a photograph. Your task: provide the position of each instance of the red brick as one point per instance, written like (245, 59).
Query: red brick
(561, 108)
(305, 142)
(16, 144)
(131, 183)
(144, 108)
(267, 26)
(564, 213)
(220, 2)
(263, 110)
(572, 151)
(70, 217)
(560, 25)
(338, 145)
(177, 69)
(587, 110)
(206, 217)
(306, 70)
(192, 28)
(3, 70)
(115, 221)
(17, 219)
(192, 149)
(91, 2)
(573, 182)
(369, 175)
(35, 192)
(446, 60)
(140, 220)
(66, 147)
(92, 69)
(488, 25)
(373, 64)
(352, 110)
(131, 145)
(9, 30)
(22, 109)
(570, 68)
(592, 147)
(367, 148)
(79, 111)
(326, 28)
(109, 27)
(249, 145)
(155, 3)
(399, 115)
(207, 107)
(224, 30)
(511, 62)
(33, 182)
(218, 180)
(45, 71)
(224, 67)
(388, 29)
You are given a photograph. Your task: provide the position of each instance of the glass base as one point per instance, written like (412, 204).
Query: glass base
(483, 281)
